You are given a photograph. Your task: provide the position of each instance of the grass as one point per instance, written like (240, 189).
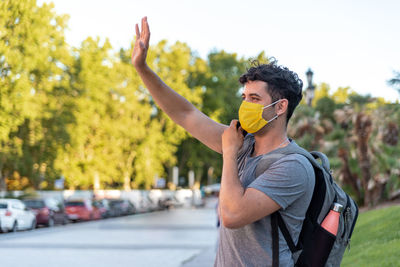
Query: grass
(376, 239)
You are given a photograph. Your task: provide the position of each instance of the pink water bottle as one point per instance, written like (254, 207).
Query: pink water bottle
(331, 221)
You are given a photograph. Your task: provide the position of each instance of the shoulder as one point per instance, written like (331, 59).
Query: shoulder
(294, 165)
(296, 160)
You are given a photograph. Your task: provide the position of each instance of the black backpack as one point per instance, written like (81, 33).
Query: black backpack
(316, 246)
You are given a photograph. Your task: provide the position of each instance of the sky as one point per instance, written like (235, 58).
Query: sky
(345, 43)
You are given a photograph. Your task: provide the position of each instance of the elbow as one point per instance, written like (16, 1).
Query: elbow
(231, 221)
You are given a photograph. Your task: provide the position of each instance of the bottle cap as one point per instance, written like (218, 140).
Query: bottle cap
(337, 207)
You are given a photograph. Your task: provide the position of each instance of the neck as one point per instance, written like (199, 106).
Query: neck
(271, 139)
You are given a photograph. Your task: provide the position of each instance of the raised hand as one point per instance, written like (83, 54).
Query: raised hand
(141, 44)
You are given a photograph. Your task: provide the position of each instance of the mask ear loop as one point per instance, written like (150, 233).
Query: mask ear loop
(267, 106)
(276, 116)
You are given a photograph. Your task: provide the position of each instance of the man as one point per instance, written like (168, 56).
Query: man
(246, 202)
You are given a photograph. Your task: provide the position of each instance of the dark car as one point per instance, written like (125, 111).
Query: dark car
(103, 208)
(48, 211)
(121, 207)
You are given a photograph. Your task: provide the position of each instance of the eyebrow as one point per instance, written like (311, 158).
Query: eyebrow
(252, 94)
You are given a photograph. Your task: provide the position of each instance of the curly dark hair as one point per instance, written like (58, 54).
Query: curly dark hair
(282, 83)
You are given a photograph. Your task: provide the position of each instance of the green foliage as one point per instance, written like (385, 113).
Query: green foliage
(376, 239)
(342, 95)
(395, 81)
(326, 107)
(32, 57)
(321, 91)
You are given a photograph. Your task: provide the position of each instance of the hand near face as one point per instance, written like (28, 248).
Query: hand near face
(232, 139)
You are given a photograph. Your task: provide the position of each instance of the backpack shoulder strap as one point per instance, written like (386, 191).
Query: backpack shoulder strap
(277, 222)
(275, 239)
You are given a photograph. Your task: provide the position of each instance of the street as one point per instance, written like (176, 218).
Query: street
(165, 238)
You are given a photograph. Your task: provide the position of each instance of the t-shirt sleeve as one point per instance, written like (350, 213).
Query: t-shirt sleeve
(286, 180)
(247, 145)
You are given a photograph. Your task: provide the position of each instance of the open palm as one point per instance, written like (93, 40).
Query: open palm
(141, 44)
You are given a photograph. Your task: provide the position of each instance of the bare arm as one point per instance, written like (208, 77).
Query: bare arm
(174, 105)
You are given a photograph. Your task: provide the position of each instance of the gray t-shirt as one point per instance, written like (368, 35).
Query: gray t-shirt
(290, 183)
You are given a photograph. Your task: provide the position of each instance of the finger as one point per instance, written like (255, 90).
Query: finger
(147, 32)
(145, 25)
(233, 123)
(137, 31)
(142, 26)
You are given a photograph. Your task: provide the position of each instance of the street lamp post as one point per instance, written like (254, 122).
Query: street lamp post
(310, 88)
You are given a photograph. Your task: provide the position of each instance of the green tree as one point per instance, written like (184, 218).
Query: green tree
(174, 64)
(321, 91)
(342, 95)
(395, 81)
(32, 56)
(325, 106)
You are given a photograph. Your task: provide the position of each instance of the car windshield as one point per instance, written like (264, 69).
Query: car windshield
(74, 203)
(34, 204)
(3, 205)
(116, 202)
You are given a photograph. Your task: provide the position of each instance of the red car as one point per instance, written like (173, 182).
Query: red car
(81, 210)
(48, 211)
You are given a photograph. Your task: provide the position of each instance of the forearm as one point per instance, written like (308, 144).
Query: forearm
(173, 104)
(232, 191)
(182, 111)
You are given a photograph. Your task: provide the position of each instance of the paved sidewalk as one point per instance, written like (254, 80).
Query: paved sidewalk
(205, 258)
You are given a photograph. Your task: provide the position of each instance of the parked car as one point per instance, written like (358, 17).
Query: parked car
(121, 207)
(152, 204)
(102, 208)
(49, 211)
(78, 210)
(169, 202)
(113, 210)
(14, 215)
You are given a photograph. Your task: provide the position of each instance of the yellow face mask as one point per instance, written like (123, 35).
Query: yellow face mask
(250, 116)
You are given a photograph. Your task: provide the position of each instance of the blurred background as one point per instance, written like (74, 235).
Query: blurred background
(81, 138)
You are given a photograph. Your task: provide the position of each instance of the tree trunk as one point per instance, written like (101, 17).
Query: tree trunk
(210, 173)
(363, 129)
(128, 171)
(3, 186)
(348, 177)
(127, 181)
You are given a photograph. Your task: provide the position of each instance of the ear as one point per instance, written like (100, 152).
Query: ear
(282, 106)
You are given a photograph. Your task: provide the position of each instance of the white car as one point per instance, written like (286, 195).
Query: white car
(14, 215)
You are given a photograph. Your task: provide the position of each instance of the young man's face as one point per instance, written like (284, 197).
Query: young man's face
(256, 92)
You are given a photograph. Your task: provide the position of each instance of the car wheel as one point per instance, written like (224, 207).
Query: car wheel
(50, 223)
(14, 228)
(65, 220)
(33, 225)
